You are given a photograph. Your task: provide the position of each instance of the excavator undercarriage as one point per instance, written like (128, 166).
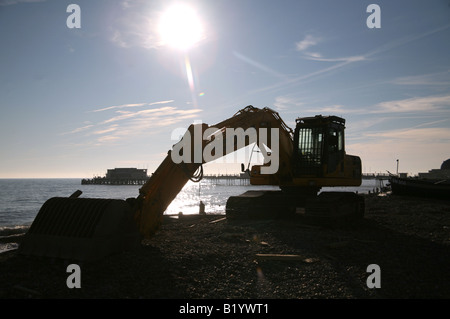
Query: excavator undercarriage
(326, 209)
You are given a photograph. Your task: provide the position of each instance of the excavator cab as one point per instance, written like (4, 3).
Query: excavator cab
(319, 156)
(318, 145)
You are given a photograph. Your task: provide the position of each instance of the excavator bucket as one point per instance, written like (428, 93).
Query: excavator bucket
(82, 229)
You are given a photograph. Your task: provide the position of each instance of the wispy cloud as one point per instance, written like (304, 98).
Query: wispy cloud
(433, 123)
(124, 124)
(416, 104)
(118, 107)
(340, 62)
(310, 41)
(303, 78)
(301, 46)
(337, 64)
(431, 79)
(313, 55)
(415, 134)
(405, 40)
(131, 105)
(435, 105)
(79, 129)
(106, 130)
(307, 42)
(160, 112)
(126, 4)
(107, 139)
(318, 57)
(258, 65)
(332, 109)
(284, 102)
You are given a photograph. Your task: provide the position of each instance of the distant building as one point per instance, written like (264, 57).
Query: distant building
(120, 176)
(126, 174)
(436, 173)
(443, 172)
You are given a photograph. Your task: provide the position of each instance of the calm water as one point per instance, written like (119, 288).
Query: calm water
(21, 199)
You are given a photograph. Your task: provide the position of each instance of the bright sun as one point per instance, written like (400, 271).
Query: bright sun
(180, 27)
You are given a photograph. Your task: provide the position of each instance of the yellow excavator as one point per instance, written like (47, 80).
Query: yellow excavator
(299, 161)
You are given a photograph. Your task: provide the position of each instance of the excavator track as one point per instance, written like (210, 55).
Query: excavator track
(327, 209)
(259, 205)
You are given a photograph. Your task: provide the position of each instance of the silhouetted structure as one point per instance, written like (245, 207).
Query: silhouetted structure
(120, 176)
(442, 173)
(446, 164)
(435, 183)
(229, 180)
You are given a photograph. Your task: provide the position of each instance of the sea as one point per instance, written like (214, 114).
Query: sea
(21, 199)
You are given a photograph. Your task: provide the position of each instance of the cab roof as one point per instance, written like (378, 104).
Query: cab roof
(320, 120)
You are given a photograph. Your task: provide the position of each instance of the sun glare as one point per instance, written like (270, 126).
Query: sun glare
(180, 27)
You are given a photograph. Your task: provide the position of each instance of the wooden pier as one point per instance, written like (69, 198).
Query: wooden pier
(378, 176)
(105, 181)
(229, 180)
(133, 176)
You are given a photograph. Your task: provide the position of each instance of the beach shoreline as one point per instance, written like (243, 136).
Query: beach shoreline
(210, 257)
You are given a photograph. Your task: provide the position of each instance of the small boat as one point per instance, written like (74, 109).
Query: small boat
(435, 188)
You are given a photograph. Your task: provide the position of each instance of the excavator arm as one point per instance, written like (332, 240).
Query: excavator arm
(170, 177)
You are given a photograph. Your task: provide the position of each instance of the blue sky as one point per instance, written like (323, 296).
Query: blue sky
(75, 102)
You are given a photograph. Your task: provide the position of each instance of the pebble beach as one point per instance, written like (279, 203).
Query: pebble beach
(210, 257)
